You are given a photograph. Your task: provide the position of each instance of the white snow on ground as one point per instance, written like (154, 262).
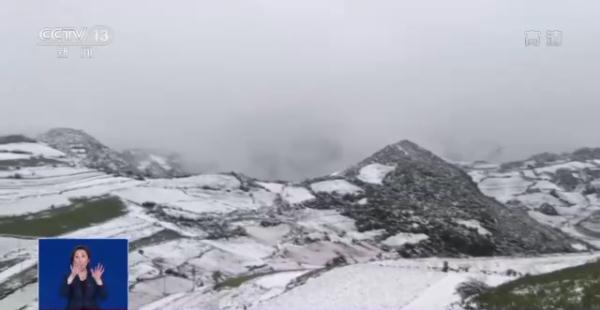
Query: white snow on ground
(278, 280)
(572, 165)
(476, 225)
(32, 205)
(209, 181)
(356, 287)
(158, 195)
(529, 173)
(253, 292)
(546, 185)
(49, 171)
(35, 149)
(402, 238)
(262, 197)
(374, 173)
(150, 290)
(478, 175)
(533, 187)
(568, 227)
(556, 221)
(340, 187)
(442, 294)
(25, 295)
(325, 221)
(129, 226)
(321, 223)
(534, 200)
(409, 284)
(234, 256)
(191, 201)
(573, 198)
(172, 253)
(272, 187)
(316, 254)
(247, 296)
(40, 189)
(504, 187)
(11, 246)
(486, 166)
(269, 235)
(296, 194)
(218, 203)
(15, 269)
(12, 156)
(243, 247)
(579, 246)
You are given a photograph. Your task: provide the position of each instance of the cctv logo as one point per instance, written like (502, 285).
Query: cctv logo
(75, 36)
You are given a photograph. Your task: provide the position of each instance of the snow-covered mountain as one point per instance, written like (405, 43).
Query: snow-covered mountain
(89, 152)
(423, 194)
(230, 241)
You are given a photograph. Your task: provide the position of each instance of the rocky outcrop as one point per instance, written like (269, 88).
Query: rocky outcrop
(426, 195)
(548, 209)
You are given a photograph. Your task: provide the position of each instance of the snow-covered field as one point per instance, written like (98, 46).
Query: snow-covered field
(533, 188)
(410, 284)
(304, 242)
(504, 186)
(41, 188)
(30, 149)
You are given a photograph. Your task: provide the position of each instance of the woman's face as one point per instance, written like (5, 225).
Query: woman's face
(81, 258)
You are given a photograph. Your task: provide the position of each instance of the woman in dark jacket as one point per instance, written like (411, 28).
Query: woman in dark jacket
(83, 287)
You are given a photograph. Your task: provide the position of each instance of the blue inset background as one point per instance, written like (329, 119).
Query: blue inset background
(54, 261)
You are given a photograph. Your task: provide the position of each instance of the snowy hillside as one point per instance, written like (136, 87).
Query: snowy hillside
(228, 241)
(84, 150)
(557, 190)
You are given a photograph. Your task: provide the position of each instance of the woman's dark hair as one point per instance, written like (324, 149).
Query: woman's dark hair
(80, 247)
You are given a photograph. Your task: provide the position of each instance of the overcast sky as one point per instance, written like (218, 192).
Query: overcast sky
(289, 89)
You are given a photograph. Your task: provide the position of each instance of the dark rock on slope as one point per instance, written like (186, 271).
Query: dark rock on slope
(426, 195)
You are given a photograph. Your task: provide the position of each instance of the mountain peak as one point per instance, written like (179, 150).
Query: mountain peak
(57, 130)
(87, 150)
(411, 190)
(401, 151)
(406, 143)
(70, 134)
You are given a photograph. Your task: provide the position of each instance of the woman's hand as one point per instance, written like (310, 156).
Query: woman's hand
(75, 270)
(97, 273)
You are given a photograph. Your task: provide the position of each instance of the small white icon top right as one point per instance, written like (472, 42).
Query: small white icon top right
(534, 38)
